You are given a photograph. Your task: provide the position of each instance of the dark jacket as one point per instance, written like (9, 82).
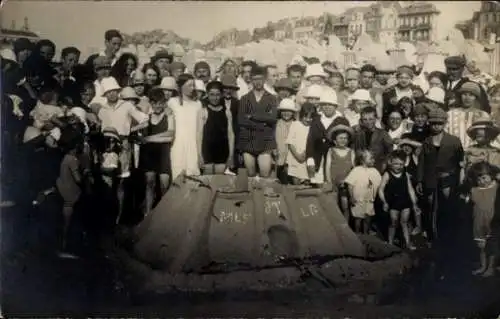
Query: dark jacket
(434, 165)
(256, 123)
(381, 144)
(317, 144)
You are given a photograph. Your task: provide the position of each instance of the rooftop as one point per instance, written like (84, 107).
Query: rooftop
(17, 33)
(420, 7)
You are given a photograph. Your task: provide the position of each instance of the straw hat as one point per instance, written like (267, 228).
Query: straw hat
(110, 132)
(328, 97)
(436, 95)
(109, 84)
(315, 70)
(410, 142)
(168, 83)
(339, 128)
(486, 123)
(314, 91)
(199, 86)
(128, 93)
(287, 105)
(361, 95)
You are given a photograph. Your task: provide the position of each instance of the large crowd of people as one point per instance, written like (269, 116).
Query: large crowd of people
(404, 161)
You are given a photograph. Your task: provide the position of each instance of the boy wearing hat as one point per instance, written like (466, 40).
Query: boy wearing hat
(285, 89)
(118, 114)
(439, 170)
(257, 120)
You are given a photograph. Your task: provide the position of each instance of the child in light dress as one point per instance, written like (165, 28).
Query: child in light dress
(296, 143)
(286, 114)
(483, 197)
(363, 182)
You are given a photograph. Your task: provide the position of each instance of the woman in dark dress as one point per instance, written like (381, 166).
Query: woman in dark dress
(157, 136)
(218, 137)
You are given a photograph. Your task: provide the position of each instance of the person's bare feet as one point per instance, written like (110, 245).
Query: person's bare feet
(489, 272)
(479, 271)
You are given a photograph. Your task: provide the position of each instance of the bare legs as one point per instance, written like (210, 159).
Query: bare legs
(151, 187)
(400, 217)
(264, 161)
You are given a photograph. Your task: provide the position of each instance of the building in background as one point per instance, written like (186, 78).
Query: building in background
(418, 22)
(483, 24)
(8, 36)
(305, 28)
(228, 38)
(341, 29)
(357, 23)
(283, 29)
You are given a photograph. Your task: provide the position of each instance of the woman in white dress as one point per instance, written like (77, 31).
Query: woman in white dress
(186, 148)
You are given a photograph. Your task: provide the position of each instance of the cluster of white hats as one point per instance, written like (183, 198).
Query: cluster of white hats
(324, 94)
(361, 95)
(167, 83)
(313, 70)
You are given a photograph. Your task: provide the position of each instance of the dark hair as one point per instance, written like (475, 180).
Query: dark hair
(154, 68)
(69, 50)
(45, 43)
(295, 68)
(214, 85)
(249, 63)
(397, 154)
(156, 95)
(368, 68)
(183, 78)
(85, 86)
(482, 168)
(119, 68)
(72, 137)
(440, 75)
(368, 110)
(308, 109)
(113, 33)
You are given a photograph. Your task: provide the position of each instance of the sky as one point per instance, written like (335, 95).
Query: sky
(82, 23)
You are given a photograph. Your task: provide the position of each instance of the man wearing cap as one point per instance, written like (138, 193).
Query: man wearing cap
(257, 118)
(284, 89)
(439, 169)
(455, 66)
(367, 79)
(201, 71)
(113, 42)
(162, 60)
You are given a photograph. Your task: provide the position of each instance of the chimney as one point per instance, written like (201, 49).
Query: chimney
(13, 25)
(26, 25)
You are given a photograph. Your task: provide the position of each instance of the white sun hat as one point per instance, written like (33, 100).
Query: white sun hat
(287, 104)
(436, 94)
(315, 70)
(361, 95)
(109, 84)
(328, 97)
(199, 86)
(314, 91)
(168, 83)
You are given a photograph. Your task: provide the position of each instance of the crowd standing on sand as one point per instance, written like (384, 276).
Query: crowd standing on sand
(403, 161)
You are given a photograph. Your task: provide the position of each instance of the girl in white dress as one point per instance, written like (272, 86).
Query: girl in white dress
(186, 148)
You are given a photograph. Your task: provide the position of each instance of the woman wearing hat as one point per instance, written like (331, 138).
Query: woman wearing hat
(462, 117)
(162, 60)
(483, 132)
(218, 134)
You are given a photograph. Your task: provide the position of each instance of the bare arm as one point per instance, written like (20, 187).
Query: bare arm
(381, 189)
(200, 123)
(75, 171)
(298, 156)
(328, 168)
(230, 133)
(411, 190)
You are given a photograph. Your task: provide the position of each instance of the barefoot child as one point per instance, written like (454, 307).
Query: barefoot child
(296, 143)
(398, 196)
(483, 196)
(69, 183)
(363, 182)
(340, 160)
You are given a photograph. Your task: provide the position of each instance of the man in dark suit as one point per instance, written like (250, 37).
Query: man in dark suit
(368, 137)
(455, 66)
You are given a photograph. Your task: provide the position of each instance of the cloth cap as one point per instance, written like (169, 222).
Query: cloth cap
(436, 94)
(214, 85)
(328, 97)
(287, 105)
(315, 70)
(109, 84)
(129, 93)
(471, 87)
(161, 54)
(201, 65)
(177, 66)
(199, 86)
(229, 81)
(284, 83)
(314, 91)
(437, 115)
(454, 62)
(168, 83)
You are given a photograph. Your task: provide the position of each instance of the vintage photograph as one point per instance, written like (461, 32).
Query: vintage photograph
(250, 159)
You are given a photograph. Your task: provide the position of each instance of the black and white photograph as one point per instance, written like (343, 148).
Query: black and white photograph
(245, 159)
